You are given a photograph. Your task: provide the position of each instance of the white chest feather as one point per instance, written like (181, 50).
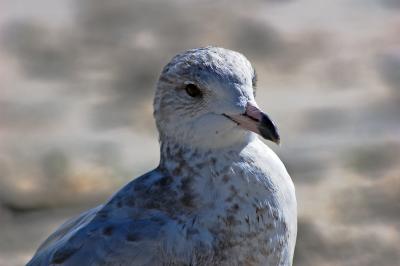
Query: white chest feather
(241, 206)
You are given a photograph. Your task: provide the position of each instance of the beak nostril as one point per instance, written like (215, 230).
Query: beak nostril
(253, 112)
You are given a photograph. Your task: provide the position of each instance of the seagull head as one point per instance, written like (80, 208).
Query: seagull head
(205, 98)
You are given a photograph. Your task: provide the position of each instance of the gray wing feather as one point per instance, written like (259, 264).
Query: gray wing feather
(87, 240)
(117, 233)
(68, 227)
(106, 235)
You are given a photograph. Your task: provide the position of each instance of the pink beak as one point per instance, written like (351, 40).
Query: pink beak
(255, 120)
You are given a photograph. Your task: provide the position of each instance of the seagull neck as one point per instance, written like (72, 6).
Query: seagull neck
(173, 155)
(206, 176)
(176, 157)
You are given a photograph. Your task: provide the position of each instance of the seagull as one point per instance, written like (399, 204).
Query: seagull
(219, 195)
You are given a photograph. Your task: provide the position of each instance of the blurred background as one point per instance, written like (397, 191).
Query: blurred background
(76, 86)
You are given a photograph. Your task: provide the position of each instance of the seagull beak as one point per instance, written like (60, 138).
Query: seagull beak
(255, 120)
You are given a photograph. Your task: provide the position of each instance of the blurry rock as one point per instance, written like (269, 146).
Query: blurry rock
(325, 120)
(41, 52)
(263, 43)
(55, 165)
(105, 23)
(310, 245)
(374, 161)
(46, 178)
(305, 169)
(342, 246)
(134, 77)
(29, 116)
(374, 202)
(5, 215)
(390, 3)
(388, 66)
(343, 73)
(113, 25)
(258, 39)
(379, 121)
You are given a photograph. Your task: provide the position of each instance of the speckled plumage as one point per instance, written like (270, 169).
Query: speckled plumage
(220, 196)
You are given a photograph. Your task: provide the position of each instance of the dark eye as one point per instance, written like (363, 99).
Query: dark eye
(193, 90)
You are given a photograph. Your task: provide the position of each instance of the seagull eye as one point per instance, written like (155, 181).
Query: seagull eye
(193, 91)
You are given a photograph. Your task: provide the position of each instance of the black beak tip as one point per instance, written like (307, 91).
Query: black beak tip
(268, 130)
